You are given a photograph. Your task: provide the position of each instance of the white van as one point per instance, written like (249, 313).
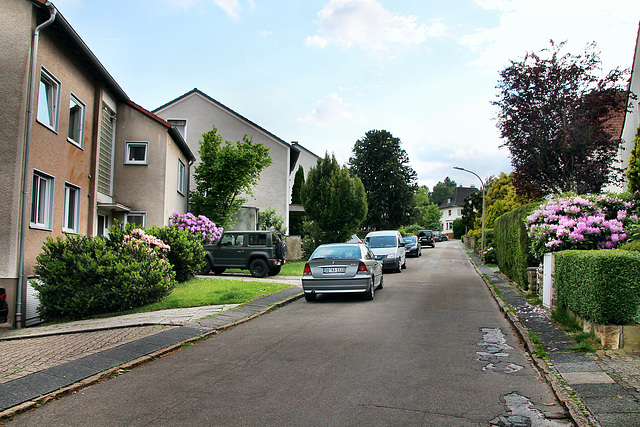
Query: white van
(387, 245)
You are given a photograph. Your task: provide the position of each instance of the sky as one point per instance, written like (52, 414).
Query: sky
(325, 72)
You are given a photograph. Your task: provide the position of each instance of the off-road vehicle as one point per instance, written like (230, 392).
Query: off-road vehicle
(426, 238)
(260, 252)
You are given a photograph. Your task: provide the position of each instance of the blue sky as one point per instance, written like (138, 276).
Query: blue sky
(324, 72)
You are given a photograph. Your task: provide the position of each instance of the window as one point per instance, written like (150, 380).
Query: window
(41, 200)
(75, 133)
(48, 100)
(105, 153)
(135, 153)
(449, 212)
(103, 225)
(181, 177)
(180, 125)
(136, 218)
(71, 208)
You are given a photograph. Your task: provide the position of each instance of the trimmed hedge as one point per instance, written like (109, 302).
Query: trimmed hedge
(602, 286)
(513, 246)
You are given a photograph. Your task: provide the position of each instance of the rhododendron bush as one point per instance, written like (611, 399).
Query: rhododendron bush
(579, 222)
(199, 225)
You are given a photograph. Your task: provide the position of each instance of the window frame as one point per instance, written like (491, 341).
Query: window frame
(136, 144)
(52, 100)
(71, 210)
(142, 215)
(78, 126)
(41, 215)
(182, 175)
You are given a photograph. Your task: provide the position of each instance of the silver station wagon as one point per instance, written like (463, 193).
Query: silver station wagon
(342, 267)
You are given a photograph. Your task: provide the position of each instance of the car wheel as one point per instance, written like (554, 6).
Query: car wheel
(381, 285)
(371, 290)
(399, 267)
(207, 267)
(218, 270)
(274, 270)
(310, 297)
(258, 268)
(404, 264)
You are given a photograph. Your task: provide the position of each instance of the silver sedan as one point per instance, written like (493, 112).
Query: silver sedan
(342, 267)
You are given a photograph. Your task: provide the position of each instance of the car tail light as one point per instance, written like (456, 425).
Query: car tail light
(362, 268)
(307, 270)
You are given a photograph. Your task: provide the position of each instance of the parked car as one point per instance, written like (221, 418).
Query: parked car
(412, 246)
(426, 238)
(340, 268)
(354, 239)
(437, 236)
(387, 246)
(444, 237)
(260, 252)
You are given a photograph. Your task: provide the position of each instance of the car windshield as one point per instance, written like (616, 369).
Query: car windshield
(381, 241)
(410, 239)
(337, 251)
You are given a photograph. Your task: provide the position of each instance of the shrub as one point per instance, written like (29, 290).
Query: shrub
(512, 244)
(83, 276)
(458, 228)
(186, 253)
(602, 286)
(631, 246)
(576, 222)
(199, 225)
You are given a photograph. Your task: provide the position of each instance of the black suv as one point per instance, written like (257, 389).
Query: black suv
(426, 238)
(260, 252)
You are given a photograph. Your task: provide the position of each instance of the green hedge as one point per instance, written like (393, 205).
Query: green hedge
(602, 286)
(512, 244)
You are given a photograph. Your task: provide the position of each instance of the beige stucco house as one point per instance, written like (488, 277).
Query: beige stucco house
(196, 112)
(76, 152)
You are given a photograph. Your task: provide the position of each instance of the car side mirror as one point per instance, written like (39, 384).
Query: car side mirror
(402, 244)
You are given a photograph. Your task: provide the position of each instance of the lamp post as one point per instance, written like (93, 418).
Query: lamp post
(482, 184)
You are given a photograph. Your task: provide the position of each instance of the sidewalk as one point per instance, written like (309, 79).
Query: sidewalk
(39, 364)
(600, 389)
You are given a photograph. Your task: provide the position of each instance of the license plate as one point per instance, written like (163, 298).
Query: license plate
(328, 270)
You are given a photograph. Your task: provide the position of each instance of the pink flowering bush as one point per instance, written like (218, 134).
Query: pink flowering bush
(199, 225)
(140, 238)
(579, 222)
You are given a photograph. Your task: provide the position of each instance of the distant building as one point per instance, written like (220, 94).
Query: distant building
(451, 209)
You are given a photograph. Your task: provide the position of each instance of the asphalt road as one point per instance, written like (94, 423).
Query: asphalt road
(431, 349)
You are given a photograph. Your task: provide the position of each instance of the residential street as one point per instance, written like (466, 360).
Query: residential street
(431, 349)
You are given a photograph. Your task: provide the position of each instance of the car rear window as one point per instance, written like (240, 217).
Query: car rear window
(337, 252)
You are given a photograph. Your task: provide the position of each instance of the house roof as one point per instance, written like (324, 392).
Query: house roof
(223, 107)
(77, 48)
(175, 134)
(456, 199)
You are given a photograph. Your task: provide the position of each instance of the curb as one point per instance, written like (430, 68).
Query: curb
(9, 413)
(575, 410)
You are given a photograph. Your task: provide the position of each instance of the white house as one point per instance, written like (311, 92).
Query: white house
(451, 209)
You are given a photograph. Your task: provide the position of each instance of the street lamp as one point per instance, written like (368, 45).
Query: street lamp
(482, 184)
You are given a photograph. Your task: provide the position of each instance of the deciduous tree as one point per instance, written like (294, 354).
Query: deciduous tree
(633, 173)
(226, 171)
(553, 115)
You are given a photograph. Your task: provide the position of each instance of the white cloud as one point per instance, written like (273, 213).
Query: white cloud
(526, 26)
(367, 24)
(231, 7)
(316, 41)
(329, 109)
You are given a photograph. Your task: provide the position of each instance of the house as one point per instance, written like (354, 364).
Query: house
(631, 119)
(196, 112)
(451, 209)
(77, 153)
